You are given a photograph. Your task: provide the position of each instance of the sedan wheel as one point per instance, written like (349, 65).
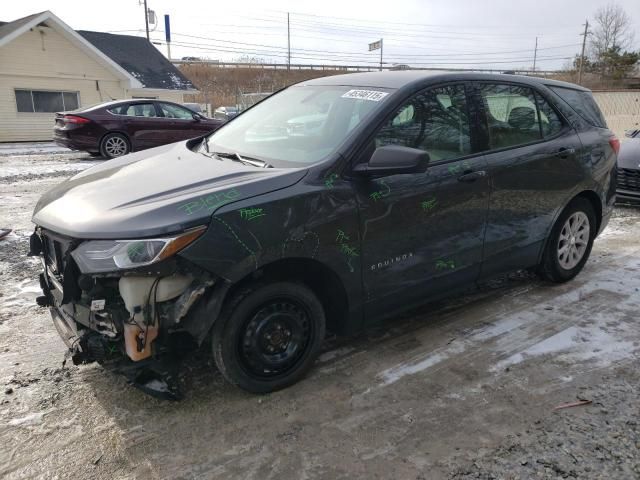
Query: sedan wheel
(114, 145)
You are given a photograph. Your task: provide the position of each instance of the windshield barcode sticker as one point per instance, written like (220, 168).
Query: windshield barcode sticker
(372, 95)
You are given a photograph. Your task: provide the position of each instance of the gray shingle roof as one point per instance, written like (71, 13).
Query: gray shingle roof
(136, 55)
(8, 27)
(140, 58)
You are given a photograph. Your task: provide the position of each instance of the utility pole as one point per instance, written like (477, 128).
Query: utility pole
(535, 55)
(288, 44)
(146, 19)
(381, 54)
(167, 35)
(584, 42)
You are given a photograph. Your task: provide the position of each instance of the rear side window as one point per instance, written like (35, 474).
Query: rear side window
(135, 110)
(583, 103)
(512, 115)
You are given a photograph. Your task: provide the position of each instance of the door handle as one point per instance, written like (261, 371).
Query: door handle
(564, 152)
(472, 176)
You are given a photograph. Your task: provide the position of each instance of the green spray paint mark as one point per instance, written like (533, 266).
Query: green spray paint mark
(251, 213)
(341, 236)
(210, 202)
(429, 204)
(330, 179)
(459, 167)
(381, 193)
(445, 265)
(350, 252)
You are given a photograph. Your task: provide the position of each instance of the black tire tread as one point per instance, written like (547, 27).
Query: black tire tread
(548, 268)
(218, 332)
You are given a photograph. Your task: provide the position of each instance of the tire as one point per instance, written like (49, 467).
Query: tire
(114, 145)
(268, 336)
(567, 251)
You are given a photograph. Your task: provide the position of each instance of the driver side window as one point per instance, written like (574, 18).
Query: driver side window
(435, 120)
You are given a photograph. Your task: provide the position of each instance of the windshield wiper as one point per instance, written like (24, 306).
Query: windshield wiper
(236, 157)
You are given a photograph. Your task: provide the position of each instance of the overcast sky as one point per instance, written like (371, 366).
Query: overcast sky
(451, 33)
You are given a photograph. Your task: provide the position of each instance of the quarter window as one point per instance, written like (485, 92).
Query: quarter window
(549, 120)
(435, 120)
(40, 101)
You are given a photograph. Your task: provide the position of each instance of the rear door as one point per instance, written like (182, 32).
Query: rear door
(422, 233)
(532, 156)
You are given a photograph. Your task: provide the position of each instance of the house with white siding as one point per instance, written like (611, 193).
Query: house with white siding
(47, 67)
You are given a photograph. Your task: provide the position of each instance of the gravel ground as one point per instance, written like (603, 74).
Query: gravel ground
(461, 389)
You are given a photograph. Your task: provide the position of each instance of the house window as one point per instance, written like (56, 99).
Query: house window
(46, 101)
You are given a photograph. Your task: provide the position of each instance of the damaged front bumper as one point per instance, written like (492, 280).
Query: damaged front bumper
(139, 323)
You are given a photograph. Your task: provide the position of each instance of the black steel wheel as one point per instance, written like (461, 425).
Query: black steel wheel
(268, 336)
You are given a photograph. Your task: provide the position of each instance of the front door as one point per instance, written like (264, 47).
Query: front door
(142, 124)
(180, 123)
(422, 234)
(533, 161)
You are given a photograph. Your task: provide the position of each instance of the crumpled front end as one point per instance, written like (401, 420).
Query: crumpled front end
(137, 321)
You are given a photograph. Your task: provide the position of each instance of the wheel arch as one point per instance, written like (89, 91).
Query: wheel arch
(596, 203)
(320, 278)
(589, 195)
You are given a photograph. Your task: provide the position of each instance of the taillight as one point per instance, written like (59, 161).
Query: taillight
(615, 144)
(75, 119)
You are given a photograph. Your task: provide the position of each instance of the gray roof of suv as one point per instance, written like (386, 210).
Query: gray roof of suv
(405, 78)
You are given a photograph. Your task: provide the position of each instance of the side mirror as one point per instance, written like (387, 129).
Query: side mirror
(393, 160)
(632, 133)
(197, 117)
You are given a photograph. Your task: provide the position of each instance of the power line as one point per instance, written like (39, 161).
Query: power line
(276, 47)
(209, 48)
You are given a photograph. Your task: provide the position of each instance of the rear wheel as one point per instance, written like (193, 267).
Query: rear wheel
(114, 145)
(268, 336)
(569, 244)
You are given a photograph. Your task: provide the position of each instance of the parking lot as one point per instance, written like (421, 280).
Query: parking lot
(461, 389)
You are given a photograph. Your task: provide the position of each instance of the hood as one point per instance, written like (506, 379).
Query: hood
(629, 155)
(154, 192)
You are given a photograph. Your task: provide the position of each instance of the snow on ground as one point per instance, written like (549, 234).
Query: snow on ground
(31, 148)
(29, 167)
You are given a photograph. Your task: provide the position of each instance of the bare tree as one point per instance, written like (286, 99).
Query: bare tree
(612, 28)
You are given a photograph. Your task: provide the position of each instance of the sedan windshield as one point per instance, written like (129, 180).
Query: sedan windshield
(299, 126)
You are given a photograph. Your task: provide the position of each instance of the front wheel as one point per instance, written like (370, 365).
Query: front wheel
(268, 336)
(569, 244)
(114, 145)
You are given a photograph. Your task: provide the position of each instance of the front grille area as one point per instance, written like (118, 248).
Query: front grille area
(629, 179)
(55, 250)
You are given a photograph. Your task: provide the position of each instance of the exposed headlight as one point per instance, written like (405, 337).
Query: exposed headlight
(97, 256)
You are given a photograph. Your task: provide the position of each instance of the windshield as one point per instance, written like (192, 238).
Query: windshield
(299, 126)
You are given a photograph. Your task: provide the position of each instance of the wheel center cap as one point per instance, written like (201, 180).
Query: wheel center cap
(573, 240)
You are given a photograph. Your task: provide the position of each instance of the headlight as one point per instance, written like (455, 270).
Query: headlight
(97, 256)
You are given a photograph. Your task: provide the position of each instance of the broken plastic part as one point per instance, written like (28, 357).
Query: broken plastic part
(136, 292)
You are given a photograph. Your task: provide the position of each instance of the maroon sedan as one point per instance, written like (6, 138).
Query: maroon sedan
(116, 128)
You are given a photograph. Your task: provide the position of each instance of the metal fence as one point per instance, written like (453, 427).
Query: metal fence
(621, 109)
